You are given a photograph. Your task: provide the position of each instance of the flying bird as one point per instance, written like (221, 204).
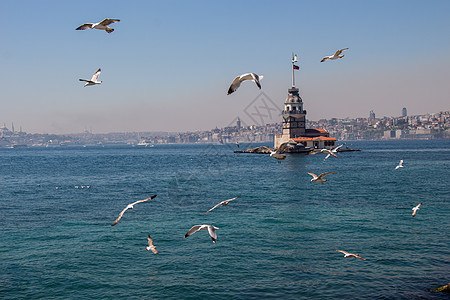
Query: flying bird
(211, 229)
(150, 245)
(103, 25)
(248, 76)
(320, 177)
(326, 151)
(334, 56)
(130, 206)
(348, 255)
(93, 80)
(278, 152)
(223, 203)
(334, 150)
(415, 209)
(400, 164)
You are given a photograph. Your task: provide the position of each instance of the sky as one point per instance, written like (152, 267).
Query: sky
(168, 64)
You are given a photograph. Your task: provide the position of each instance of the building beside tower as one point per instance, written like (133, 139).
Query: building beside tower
(294, 123)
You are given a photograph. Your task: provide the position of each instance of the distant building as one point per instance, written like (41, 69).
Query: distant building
(238, 123)
(404, 112)
(371, 115)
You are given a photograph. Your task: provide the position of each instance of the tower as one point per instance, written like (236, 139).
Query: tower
(293, 115)
(404, 112)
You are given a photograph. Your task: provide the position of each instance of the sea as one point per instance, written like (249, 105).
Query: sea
(276, 241)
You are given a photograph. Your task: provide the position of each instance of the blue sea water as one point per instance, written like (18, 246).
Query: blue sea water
(275, 241)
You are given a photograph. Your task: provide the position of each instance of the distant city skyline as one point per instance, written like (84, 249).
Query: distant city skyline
(168, 65)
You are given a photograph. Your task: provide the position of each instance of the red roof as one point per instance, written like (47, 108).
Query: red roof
(322, 138)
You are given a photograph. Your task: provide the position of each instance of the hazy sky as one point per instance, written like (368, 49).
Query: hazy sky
(168, 64)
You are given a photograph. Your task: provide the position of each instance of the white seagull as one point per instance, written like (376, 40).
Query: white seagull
(211, 229)
(103, 25)
(223, 203)
(415, 209)
(320, 177)
(334, 150)
(150, 245)
(400, 164)
(130, 206)
(93, 80)
(335, 56)
(327, 151)
(348, 255)
(278, 152)
(248, 76)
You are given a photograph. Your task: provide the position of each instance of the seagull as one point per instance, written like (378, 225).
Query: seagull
(248, 76)
(93, 80)
(130, 206)
(223, 203)
(320, 177)
(103, 25)
(335, 56)
(237, 144)
(278, 152)
(415, 209)
(334, 150)
(211, 230)
(400, 164)
(150, 245)
(327, 151)
(347, 254)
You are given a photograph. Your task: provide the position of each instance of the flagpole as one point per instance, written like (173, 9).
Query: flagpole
(293, 78)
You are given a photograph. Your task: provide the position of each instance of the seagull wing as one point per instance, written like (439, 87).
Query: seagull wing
(324, 59)
(289, 144)
(256, 79)
(214, 207)
(323, 174)
(326, 157)
(96, 74)
(357, 256)
(85, 26)
(120, 216)
(106, 22)
(329, 152)
(314, 151)
(192, 230)
(342, 251)
(150, 245)
(266, 148)
(336, 149)
(313, 175)
(147, 199)
(234, 85)
(339, 52)
(212, 233)
(282, 147)
(85, 80)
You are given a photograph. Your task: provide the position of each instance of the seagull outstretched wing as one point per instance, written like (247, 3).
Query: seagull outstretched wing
(130, 206)
(106, 22)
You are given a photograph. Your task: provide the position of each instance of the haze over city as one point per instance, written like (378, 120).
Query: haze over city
(168, 65)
